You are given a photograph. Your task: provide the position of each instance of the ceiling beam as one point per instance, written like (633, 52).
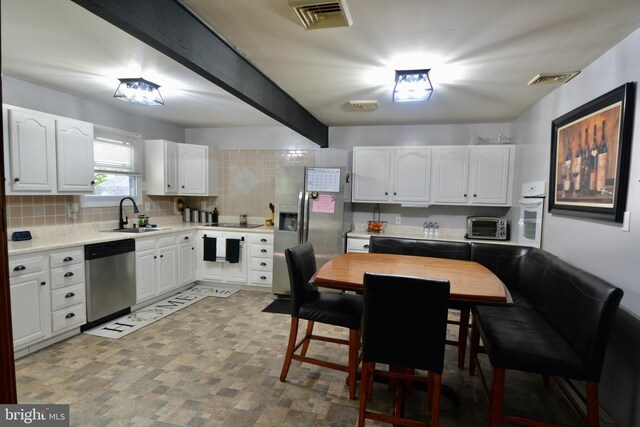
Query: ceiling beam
(171, 29)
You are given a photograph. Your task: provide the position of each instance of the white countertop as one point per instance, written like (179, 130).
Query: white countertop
(444, 234)
(58, 237)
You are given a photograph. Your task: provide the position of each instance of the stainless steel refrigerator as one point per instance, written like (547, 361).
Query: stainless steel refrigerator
(312, 205)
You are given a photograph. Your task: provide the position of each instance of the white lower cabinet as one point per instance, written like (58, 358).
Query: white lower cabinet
(186, 258)
(222, 271)
(30, 299)
(156, 266)
(261, 259)
(47, 294)
(357, 244)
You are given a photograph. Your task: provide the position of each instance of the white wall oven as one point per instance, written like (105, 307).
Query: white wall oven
(531, 213)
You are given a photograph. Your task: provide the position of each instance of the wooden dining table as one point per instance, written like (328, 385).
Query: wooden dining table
(470, 281)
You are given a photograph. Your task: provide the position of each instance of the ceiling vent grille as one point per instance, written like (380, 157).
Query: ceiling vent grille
(364, 105)
(316, 14)
(553, 78)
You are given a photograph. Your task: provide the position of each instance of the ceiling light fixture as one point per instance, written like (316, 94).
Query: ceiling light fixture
(139, 92)
(412, 85)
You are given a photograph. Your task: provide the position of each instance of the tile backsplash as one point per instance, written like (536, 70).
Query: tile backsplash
(246, 181)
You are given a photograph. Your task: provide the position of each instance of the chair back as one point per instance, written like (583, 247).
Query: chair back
(405, 321)
(301, 263)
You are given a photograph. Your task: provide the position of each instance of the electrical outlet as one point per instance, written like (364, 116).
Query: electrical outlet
(147, 206)
(398, 220)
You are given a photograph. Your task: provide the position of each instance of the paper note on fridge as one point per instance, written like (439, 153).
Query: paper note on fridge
(325, 203)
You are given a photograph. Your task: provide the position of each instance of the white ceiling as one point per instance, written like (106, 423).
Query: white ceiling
(482, 54)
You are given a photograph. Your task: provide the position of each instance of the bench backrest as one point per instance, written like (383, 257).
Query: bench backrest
(505, 261)
(431, 248)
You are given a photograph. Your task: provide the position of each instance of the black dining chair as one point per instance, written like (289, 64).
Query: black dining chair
(338, 309)
(404, 326)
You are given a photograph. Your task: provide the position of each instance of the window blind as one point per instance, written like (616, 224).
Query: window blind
(117, 151)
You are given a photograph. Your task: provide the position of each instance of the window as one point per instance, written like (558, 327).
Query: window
(117, 166)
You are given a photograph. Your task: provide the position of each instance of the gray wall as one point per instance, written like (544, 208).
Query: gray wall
(598, 247)
(27, 95)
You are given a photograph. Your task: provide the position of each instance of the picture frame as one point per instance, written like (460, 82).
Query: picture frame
(595, 188)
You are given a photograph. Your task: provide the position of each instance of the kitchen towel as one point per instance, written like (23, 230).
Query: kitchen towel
(233, 250)
(210, 244)
(221, 250)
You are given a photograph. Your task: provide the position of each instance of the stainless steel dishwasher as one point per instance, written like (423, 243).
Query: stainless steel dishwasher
(110, 272)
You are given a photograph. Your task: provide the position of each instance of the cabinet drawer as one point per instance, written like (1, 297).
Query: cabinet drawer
(262, 251)
(74, 315)
(67, 296)
(23, 265)
(186, 237)
(166, 241)
(357, 245)
(66, 257)
(261, 264)
(66, 276)
(145, 244)
(265, 239)
(260, 277)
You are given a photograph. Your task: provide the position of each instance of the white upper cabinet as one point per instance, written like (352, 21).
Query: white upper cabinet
(443, 175)
(32, 148)
(193, 169)
(371, 171)
(412, 175)
(172, 168)
(74, 147)
(47, 154)
(391, 175)
(489, 174)
(479, 175)
(450, 174)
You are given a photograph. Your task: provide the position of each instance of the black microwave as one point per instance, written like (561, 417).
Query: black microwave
(486, 227)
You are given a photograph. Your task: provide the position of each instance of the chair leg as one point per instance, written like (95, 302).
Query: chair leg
(354, 334)
(463, 332)
(497, 395)
(593, 418)
(364, 391)
(293, 334)
(473, 347)
(305, 346)
(435, 400)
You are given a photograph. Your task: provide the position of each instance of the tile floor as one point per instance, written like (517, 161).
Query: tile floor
(217, 363)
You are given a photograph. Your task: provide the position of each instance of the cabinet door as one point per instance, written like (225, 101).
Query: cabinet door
(146, 274)
(167, 268)
(237, 272)
(412, 174)
(74, 147)
(193, 169)
(489, 175)
(30, 309)
(450, 175)
(32, 152)
(187, 259)
(171, 167)
(371, 170)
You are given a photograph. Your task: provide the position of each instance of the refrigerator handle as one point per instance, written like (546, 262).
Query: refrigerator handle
(300, 220)
(306, 217)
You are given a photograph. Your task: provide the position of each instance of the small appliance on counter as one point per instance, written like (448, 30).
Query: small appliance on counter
(531, 213)
(487, 228)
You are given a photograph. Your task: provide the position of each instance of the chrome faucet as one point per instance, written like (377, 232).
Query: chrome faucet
(123, 222)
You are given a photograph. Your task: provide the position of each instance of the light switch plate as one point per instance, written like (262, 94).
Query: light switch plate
(398, 220)
(625, 221)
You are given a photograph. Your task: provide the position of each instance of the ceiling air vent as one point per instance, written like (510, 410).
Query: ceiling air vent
(316, 14)
(364, 105)
(552, 78)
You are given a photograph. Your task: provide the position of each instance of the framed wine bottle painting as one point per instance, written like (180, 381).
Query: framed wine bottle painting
(590, 154)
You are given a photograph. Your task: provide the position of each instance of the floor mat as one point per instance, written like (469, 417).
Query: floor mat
(125, 325)
(279, 306)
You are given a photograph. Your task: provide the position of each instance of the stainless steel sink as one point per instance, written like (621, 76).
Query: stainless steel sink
(136, 230)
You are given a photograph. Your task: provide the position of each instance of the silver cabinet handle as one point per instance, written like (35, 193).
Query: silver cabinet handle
(69, 274)
(69, 316)
(19, 268)
(70, 295)
(67, 259)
